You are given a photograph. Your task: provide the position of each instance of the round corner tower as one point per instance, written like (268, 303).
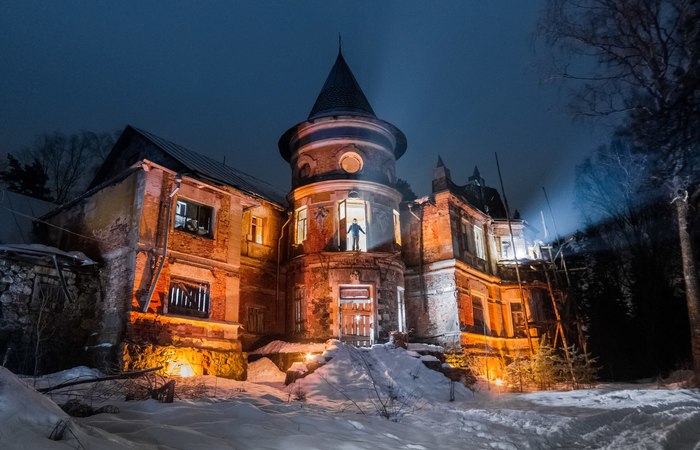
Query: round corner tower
(345, 276)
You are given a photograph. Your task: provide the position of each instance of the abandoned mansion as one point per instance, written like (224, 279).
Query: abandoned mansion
(199, 261)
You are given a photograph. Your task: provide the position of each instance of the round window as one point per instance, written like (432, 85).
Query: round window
(351, 162)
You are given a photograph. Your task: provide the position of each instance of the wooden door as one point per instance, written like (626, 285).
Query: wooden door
(356, 325)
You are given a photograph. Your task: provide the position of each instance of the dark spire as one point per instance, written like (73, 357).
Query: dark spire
(476, 177)
(441, 176)
(341, 94)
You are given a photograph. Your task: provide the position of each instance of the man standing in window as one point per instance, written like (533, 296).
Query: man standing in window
(355, 230)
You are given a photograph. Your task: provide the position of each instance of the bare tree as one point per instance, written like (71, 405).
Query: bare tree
(632, 251)
(69, 161)
(638, 61)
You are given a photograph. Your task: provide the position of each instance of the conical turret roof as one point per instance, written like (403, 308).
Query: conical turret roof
(341, 94)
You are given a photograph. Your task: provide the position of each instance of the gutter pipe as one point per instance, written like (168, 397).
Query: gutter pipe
(152, 288)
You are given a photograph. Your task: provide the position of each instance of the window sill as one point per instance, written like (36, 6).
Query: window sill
(193, 234)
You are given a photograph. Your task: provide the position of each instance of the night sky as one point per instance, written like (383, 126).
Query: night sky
(228, 78)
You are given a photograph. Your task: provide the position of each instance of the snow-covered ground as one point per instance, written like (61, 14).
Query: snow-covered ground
(345, 402)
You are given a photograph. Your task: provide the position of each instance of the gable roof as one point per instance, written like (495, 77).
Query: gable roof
(206, 167)
(341, 94)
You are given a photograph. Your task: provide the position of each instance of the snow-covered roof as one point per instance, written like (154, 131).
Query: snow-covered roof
(73, 257)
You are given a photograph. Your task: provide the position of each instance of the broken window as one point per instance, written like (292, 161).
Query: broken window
(256, 229)
(300, 235)
(189, 298)
(194, 218)
(516, 310)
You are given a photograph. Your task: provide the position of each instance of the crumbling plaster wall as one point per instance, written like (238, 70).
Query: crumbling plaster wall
(105, 226)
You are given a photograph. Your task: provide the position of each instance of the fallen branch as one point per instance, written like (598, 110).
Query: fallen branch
(119, 376)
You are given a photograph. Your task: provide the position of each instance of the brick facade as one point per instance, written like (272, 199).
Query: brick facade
(242, 265)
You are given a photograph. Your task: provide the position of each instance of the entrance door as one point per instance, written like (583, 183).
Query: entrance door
(356, 324)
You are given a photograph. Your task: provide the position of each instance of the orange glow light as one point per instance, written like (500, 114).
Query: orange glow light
(180, 368)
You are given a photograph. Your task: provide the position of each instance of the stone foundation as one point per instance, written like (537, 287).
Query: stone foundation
(186, 361)
(184, 346)
(33, 306)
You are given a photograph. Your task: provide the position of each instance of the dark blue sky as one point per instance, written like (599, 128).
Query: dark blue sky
(460, 78)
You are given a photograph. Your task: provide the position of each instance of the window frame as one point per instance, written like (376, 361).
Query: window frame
(519, 311)
(300, 232)
(479, 243)
(257, 229)
(464, 232)
(507, 248)
(344, 223)
(203, 309)
(255, 316)
(356, 157)
(186, 217)
(483, 326)
(397, 227)
(401, 309)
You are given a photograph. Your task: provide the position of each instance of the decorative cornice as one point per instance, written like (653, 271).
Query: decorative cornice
(344, 185)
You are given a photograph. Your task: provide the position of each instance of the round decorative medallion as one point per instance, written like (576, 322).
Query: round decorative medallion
(351, 162)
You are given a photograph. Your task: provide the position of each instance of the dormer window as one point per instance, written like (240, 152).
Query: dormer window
(194, 218)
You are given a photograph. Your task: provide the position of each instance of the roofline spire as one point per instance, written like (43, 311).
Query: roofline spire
(341, 94)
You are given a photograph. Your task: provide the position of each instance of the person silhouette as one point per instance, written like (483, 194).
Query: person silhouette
(355, 230)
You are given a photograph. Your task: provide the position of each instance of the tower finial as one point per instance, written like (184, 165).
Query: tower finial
(340, 43)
